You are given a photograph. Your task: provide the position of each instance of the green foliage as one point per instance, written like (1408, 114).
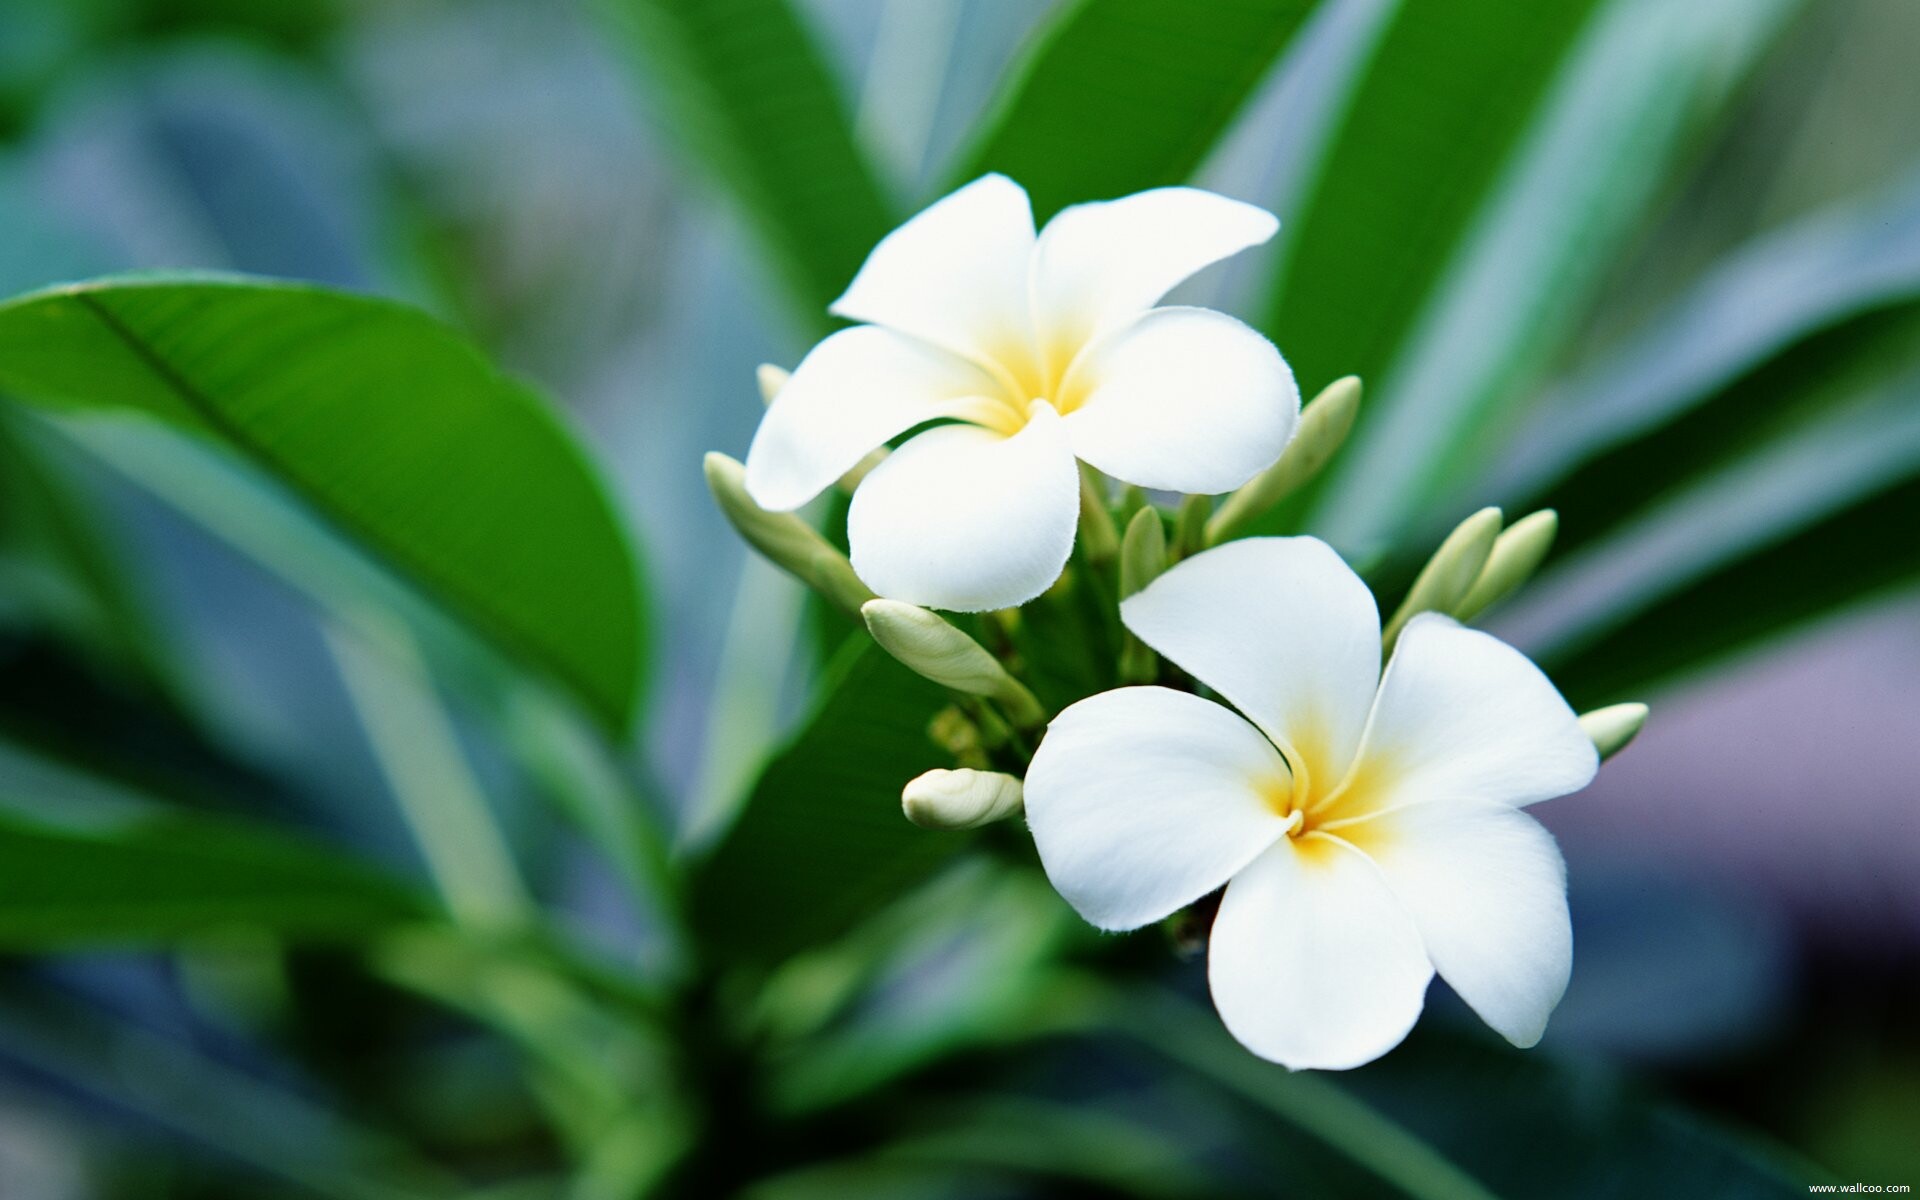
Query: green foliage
(740, 85)
(386, 423)
(1118, 95)
(175, 876)
(821, 842)
(1452, 261)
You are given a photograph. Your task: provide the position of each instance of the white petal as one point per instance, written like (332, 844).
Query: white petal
(1185, 400)
(1284, 630)
(967, 519)
(1143, 800)
(1464, 716)
(1102, 263)
(1313, 961)
(956, 274)
(852, 392)
(1488, 891)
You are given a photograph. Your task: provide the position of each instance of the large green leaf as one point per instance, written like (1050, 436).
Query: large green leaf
(383, 421)
(1762, 335)
(1438, 111)
(168, 877)
(1488, 178)
(1820, 516)
(1762, 429)
(741, 86)
(1114, 96)
(47, 523)
(821, 841)
(1534, 1127)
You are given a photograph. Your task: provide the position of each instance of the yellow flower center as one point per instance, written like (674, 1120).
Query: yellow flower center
(1317, 812)
(1029, 373)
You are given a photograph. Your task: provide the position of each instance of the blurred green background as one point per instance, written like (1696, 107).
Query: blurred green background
(1656, 265)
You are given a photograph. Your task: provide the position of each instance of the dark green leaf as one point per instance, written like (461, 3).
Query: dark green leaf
(1438, 111)
(1820, 517)
(742, 87)
(47, 520)
(383, 421)
(1773, 329)
(1534, 1126)
(1497, 156)
(1118, 95)
(303, 1147)
(176, 876)
(821, 841)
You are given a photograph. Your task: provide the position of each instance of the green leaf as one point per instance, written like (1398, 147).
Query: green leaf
(1760, 431)
(821, 841)
(1438, 111)
(1497, 156)
(384, 422)
(1820, 516)
(1114, 96)
(164, 878)
(1765, 334)
(1535, 1126)
(94, 599)
(744, 90)
(303, 1147)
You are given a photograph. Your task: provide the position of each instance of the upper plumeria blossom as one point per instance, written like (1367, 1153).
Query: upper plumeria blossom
(1367, 827)
(1037, 349)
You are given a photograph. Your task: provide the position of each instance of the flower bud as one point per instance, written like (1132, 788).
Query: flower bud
(1098, 537)
(1324, 425)
(1517, 554)
(930, 647)
(962, 799)
(1613, 727)
(1143, 552)
(788, 542)
(1450, 573)
(1190, 526)
(771, 379)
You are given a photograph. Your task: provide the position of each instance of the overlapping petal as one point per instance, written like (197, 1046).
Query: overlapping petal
(1280, 627)
(1185, 400)
(1143, 800)
(1463, 716)
(852, 392)
(967, 519)
(1314, 962)
(954, 275)
(1487, 890)
(1100, 264)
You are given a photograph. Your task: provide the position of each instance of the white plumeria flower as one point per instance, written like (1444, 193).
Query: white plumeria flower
(1037, 349)
(1366, 836)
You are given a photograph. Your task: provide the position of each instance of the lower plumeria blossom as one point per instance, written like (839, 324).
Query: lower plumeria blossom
(1366, 826)
(1035, 350)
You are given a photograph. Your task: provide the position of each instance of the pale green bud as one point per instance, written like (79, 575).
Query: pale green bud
(1190, 526)
(1143, 556)
(962, 799)
(1517, 554)
(930, 647)
(787, 541)
(1098, 537)
(771, 379)
(1450, 573)
(1143, 552)
(1613, 727)
(1324, 425)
